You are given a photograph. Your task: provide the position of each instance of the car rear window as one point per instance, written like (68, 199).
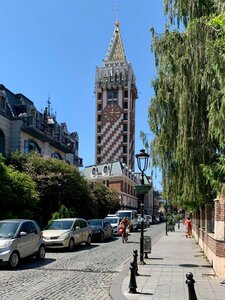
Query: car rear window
(60, 225)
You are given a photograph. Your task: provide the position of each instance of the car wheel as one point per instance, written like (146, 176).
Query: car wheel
(71, 244)
(101, 238)
(41, 252)
(14, 260)
(88, 240)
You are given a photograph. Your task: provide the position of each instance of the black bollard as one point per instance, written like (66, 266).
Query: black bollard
(191, 289)
(133, 284)
(135, 255)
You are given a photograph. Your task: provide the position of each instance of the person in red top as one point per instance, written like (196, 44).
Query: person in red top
(188, 228)
(125, 224)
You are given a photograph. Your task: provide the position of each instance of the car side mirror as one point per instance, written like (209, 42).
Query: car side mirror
(23, 233)
(77, 227)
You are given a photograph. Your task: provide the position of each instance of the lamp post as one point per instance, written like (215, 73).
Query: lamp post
(142, 162)
(166, 217)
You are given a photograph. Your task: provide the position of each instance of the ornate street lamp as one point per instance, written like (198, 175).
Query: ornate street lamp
(142, 162)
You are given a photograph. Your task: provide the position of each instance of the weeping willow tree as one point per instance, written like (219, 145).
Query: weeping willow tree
(187, 113)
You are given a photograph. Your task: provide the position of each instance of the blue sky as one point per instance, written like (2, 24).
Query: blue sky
(54, 46)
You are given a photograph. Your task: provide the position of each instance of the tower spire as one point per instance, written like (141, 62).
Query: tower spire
(115, 51)
(117, 12)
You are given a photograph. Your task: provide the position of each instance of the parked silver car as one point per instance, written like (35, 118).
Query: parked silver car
(20, 238)
(66, 233)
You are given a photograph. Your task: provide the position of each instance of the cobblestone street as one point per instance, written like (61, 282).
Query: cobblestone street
(84, 274)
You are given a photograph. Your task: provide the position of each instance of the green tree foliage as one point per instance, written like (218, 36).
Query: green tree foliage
(106, 200)
(18, 194)
(63, 191)
(57, 183)
(187, 113)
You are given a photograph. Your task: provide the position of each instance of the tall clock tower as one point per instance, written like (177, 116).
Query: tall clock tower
(115, 92)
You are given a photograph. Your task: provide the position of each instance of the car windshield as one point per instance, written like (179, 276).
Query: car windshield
(112, 220)
(124, 214)
(60, 225)
(8, 229)
(95, 223)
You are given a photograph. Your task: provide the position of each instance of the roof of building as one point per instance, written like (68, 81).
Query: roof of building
(116, 51)
(114, 168)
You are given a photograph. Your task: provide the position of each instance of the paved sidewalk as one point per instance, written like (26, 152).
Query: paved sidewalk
(164, 274)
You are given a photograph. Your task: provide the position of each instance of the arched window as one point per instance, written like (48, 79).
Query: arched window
(2, 142)
(31, 146)
(57, 155)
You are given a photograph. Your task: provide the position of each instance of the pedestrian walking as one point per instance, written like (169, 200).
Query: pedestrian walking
(188, 224)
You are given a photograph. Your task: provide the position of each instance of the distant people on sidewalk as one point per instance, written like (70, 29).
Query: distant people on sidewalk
(188, 227)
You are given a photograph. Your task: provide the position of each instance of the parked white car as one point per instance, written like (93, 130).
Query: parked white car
(66, 233)
(148, 219)
(20, 238)
(115, 222)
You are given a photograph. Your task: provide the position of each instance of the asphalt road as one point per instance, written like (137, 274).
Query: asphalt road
(83, 274)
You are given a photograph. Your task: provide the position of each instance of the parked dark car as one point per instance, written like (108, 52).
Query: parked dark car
(139, 222)
(101, 229)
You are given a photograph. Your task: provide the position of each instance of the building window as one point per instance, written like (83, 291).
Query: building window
(99, 150)
(99, 140)
(31, 146)
(124, 127)
(99, 118)
(99, 107)
(56, 155)
(2, 143)
(112, 96)
(99, 129)
(125, 105)
(125, 138)
(125, 94)
(2, 103)
(124, 149)
(124, 160)
(125, 116)
(98, 160)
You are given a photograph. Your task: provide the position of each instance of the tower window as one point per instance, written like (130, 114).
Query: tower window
(124, 149)
(124, 127)
(99, 118)
(99, 150)
(112, 96)
(99, 129)
(125, 105)
(125, 138)
(99, 139)
(125, 94)
(99, 106)
(125, 116)
(99, 96)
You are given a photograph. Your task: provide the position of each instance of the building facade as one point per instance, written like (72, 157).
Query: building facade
(23, 128)
(117, 176)
(116, 93)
